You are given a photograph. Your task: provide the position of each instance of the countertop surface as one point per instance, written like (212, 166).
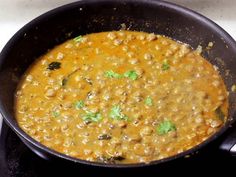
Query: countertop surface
(16, 13)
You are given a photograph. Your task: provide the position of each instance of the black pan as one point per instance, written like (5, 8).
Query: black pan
(83, 17)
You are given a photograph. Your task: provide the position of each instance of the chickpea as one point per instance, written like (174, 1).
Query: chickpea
(130, 54)
(157, 47)
(68, 46)
(148, 56)
(122, 124)
(68, 142)
(134, 138)
(23, 109)
(139, 71)
(199, 120)
(29, 78)
(119, 92)
(134, 61)
(87, 151)
(85, 39)
(149, 150)
(118, 42)
(47, 137)
(151, 37)
(221, 98)
(64, 128)
(146, 131)
(141, 37)
(131, 37)
(44, 62)
(216, 83)
(111, 36)
(115, 141)
(85, 67)
(67, 105)
(85, 140)
(60, 56)
(210, 131)
(216, 123)
(125, 48)
(173, 47)
(50, 93)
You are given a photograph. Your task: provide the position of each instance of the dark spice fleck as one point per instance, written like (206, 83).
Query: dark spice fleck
(54, 65)
(104, 137)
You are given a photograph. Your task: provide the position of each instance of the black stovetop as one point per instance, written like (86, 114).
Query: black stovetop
(16, 160)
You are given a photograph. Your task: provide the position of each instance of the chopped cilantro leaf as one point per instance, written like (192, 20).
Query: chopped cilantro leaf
(117, 114)
(78, 38)
(112, 74)
(55, 113)
(92, 117)
(79, 104)
(165, 127)
(131, 74)
(165, 66)
(148, 101)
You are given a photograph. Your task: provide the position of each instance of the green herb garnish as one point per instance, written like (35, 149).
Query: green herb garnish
(54, 65)
(55, 113)
(79, 104)
(219, 113)
(112, 74)
(78, 38)
(148, 101)
(165, 127)
(92, 117)
(165, 66)
(117, 114)
(131, 74)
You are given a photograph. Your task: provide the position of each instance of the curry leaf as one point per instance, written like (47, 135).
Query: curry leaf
(65, 80)
(219, 113)
(54, 65)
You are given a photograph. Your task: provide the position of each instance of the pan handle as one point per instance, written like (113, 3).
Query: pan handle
(229, 143)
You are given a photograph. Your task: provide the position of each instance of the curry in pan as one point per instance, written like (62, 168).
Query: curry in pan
(121, 97)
